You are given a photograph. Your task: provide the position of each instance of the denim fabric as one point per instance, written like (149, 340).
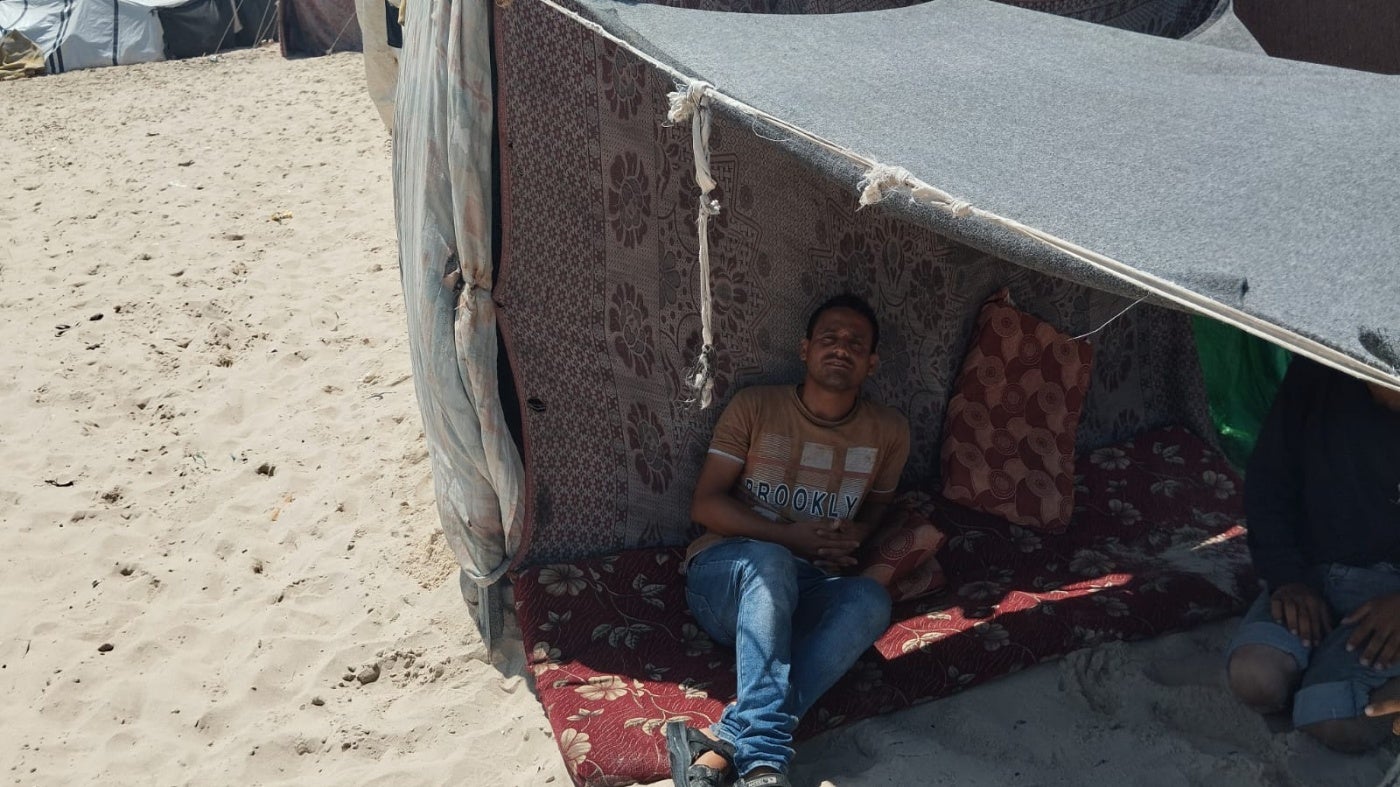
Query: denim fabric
(1335, 684)
(795, 631)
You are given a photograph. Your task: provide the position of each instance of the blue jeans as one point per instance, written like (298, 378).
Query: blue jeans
(795, 631)
(1335, 683)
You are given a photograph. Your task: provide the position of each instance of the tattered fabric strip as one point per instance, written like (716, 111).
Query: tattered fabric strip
(689, 102)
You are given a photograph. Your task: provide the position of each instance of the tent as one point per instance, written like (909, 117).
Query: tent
(203, 27)
(75, 34)
(1360, 34)
(382, 37)
(318, 27)
(560, 287)
(1275, 219)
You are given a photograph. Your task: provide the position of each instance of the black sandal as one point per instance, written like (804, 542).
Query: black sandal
(684, 745)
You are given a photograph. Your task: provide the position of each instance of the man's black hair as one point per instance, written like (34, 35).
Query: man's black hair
(856, 304)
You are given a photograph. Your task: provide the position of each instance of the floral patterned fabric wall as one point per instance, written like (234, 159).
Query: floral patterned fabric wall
(598, 294)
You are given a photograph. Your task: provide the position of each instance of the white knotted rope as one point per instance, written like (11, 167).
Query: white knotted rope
(691, 102)
(882, 179)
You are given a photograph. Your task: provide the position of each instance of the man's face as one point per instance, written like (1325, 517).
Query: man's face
(1388, 397)
(838, 356)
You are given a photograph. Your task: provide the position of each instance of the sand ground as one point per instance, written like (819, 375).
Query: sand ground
(220, 557)
(212, 453)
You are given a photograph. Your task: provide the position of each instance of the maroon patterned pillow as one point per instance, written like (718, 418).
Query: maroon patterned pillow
(902, 555)
(1008, 444)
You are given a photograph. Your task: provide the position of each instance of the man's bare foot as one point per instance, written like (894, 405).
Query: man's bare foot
(712, 758)
(698, 758)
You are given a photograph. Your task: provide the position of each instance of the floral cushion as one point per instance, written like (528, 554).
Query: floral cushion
(1156, 547)
(1008, 436)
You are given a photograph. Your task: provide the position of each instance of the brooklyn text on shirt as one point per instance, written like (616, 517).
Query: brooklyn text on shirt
(817, 503)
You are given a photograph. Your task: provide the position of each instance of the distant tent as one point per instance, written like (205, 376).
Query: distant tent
(257, 22)
(197, 27)
(1360, 34)
(383, 39)
(75, 34)
(318, 27)
(203, 27)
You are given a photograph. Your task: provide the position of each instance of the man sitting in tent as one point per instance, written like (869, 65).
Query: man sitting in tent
(796, 479)
(1323, 500)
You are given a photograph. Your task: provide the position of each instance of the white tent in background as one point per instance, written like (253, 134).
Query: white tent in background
(77, 34)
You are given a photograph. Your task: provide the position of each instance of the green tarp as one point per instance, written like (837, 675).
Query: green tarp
(1242, 373)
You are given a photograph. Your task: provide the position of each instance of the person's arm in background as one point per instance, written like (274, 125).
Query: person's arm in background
(1387, 707)
(1273, 503)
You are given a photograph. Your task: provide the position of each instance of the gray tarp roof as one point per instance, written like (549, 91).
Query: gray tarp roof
(1270, 187)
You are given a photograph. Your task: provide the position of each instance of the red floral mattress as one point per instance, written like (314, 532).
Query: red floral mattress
(1155, 546)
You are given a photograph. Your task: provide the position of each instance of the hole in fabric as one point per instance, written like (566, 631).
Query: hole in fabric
(535, 404)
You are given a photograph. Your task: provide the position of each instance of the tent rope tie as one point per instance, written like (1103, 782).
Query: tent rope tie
(881, 180)
(1110, 320)
(691, 102)
(343, 28)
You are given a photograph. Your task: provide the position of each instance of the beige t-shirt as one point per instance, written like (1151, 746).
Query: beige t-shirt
(799, 467)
